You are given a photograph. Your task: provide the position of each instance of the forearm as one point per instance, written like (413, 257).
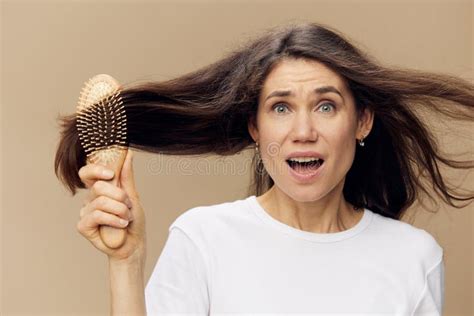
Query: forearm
(127, 288)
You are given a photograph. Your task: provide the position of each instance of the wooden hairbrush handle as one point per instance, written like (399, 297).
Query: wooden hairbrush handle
(114, 237)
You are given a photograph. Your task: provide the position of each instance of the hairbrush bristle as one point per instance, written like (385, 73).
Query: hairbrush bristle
(96, 89)
(101, 120)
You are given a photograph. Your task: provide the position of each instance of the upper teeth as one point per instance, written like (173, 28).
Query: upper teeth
(304, 159)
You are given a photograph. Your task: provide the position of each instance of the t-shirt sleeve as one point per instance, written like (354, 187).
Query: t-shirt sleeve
(432, 300)
(178, 283)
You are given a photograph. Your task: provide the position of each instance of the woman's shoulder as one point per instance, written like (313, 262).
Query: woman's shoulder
(208, 216)
(417, 241)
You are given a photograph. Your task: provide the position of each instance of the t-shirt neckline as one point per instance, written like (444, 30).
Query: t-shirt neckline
(311, 236)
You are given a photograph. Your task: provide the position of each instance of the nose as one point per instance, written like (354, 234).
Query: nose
(304, 127)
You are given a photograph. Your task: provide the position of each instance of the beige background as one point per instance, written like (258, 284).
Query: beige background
(49, 48)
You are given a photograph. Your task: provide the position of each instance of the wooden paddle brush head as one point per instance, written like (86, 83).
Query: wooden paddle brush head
(101, 120)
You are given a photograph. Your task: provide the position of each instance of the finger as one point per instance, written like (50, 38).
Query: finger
(89, 224)
(109, 190)
(90, 173)
(109, 205)
(102, 188)
(127, 180)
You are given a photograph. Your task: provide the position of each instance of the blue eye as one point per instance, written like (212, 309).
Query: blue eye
(278, 105)
(327, 103)
(284, 105)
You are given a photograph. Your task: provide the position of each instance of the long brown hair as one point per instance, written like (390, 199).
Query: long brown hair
(207, 112)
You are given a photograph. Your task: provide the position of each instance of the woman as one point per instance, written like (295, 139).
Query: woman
(339, 151)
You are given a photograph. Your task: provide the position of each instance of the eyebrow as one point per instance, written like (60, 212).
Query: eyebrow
(320, 90)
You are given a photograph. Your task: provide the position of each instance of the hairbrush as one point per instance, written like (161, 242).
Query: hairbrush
(102, 126)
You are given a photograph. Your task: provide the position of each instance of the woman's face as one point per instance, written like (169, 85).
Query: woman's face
(305, 120)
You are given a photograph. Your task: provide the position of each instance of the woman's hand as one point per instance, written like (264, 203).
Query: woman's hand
(107, 204)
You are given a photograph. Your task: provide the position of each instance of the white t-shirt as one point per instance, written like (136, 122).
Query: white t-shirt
(235, 258)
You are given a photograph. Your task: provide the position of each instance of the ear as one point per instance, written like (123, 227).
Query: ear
(365, 123)
(253, 130)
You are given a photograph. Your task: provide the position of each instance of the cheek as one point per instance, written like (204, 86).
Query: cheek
(342, 150)
(271, 136)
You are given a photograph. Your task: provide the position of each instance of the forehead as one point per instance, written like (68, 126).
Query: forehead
(289, 72)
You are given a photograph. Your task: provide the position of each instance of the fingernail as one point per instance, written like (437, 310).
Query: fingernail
(123, 222)
(129, 203)
(107, 173)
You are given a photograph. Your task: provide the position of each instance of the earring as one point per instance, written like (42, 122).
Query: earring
(259, 167)
(361, 141)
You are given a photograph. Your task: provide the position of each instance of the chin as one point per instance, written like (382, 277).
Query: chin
(304, 194)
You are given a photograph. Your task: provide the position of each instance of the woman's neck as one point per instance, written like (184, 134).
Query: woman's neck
(322, 216)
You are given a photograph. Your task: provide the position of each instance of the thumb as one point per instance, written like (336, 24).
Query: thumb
(127, 179)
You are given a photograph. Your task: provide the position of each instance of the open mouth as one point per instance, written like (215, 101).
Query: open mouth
(304, 167)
